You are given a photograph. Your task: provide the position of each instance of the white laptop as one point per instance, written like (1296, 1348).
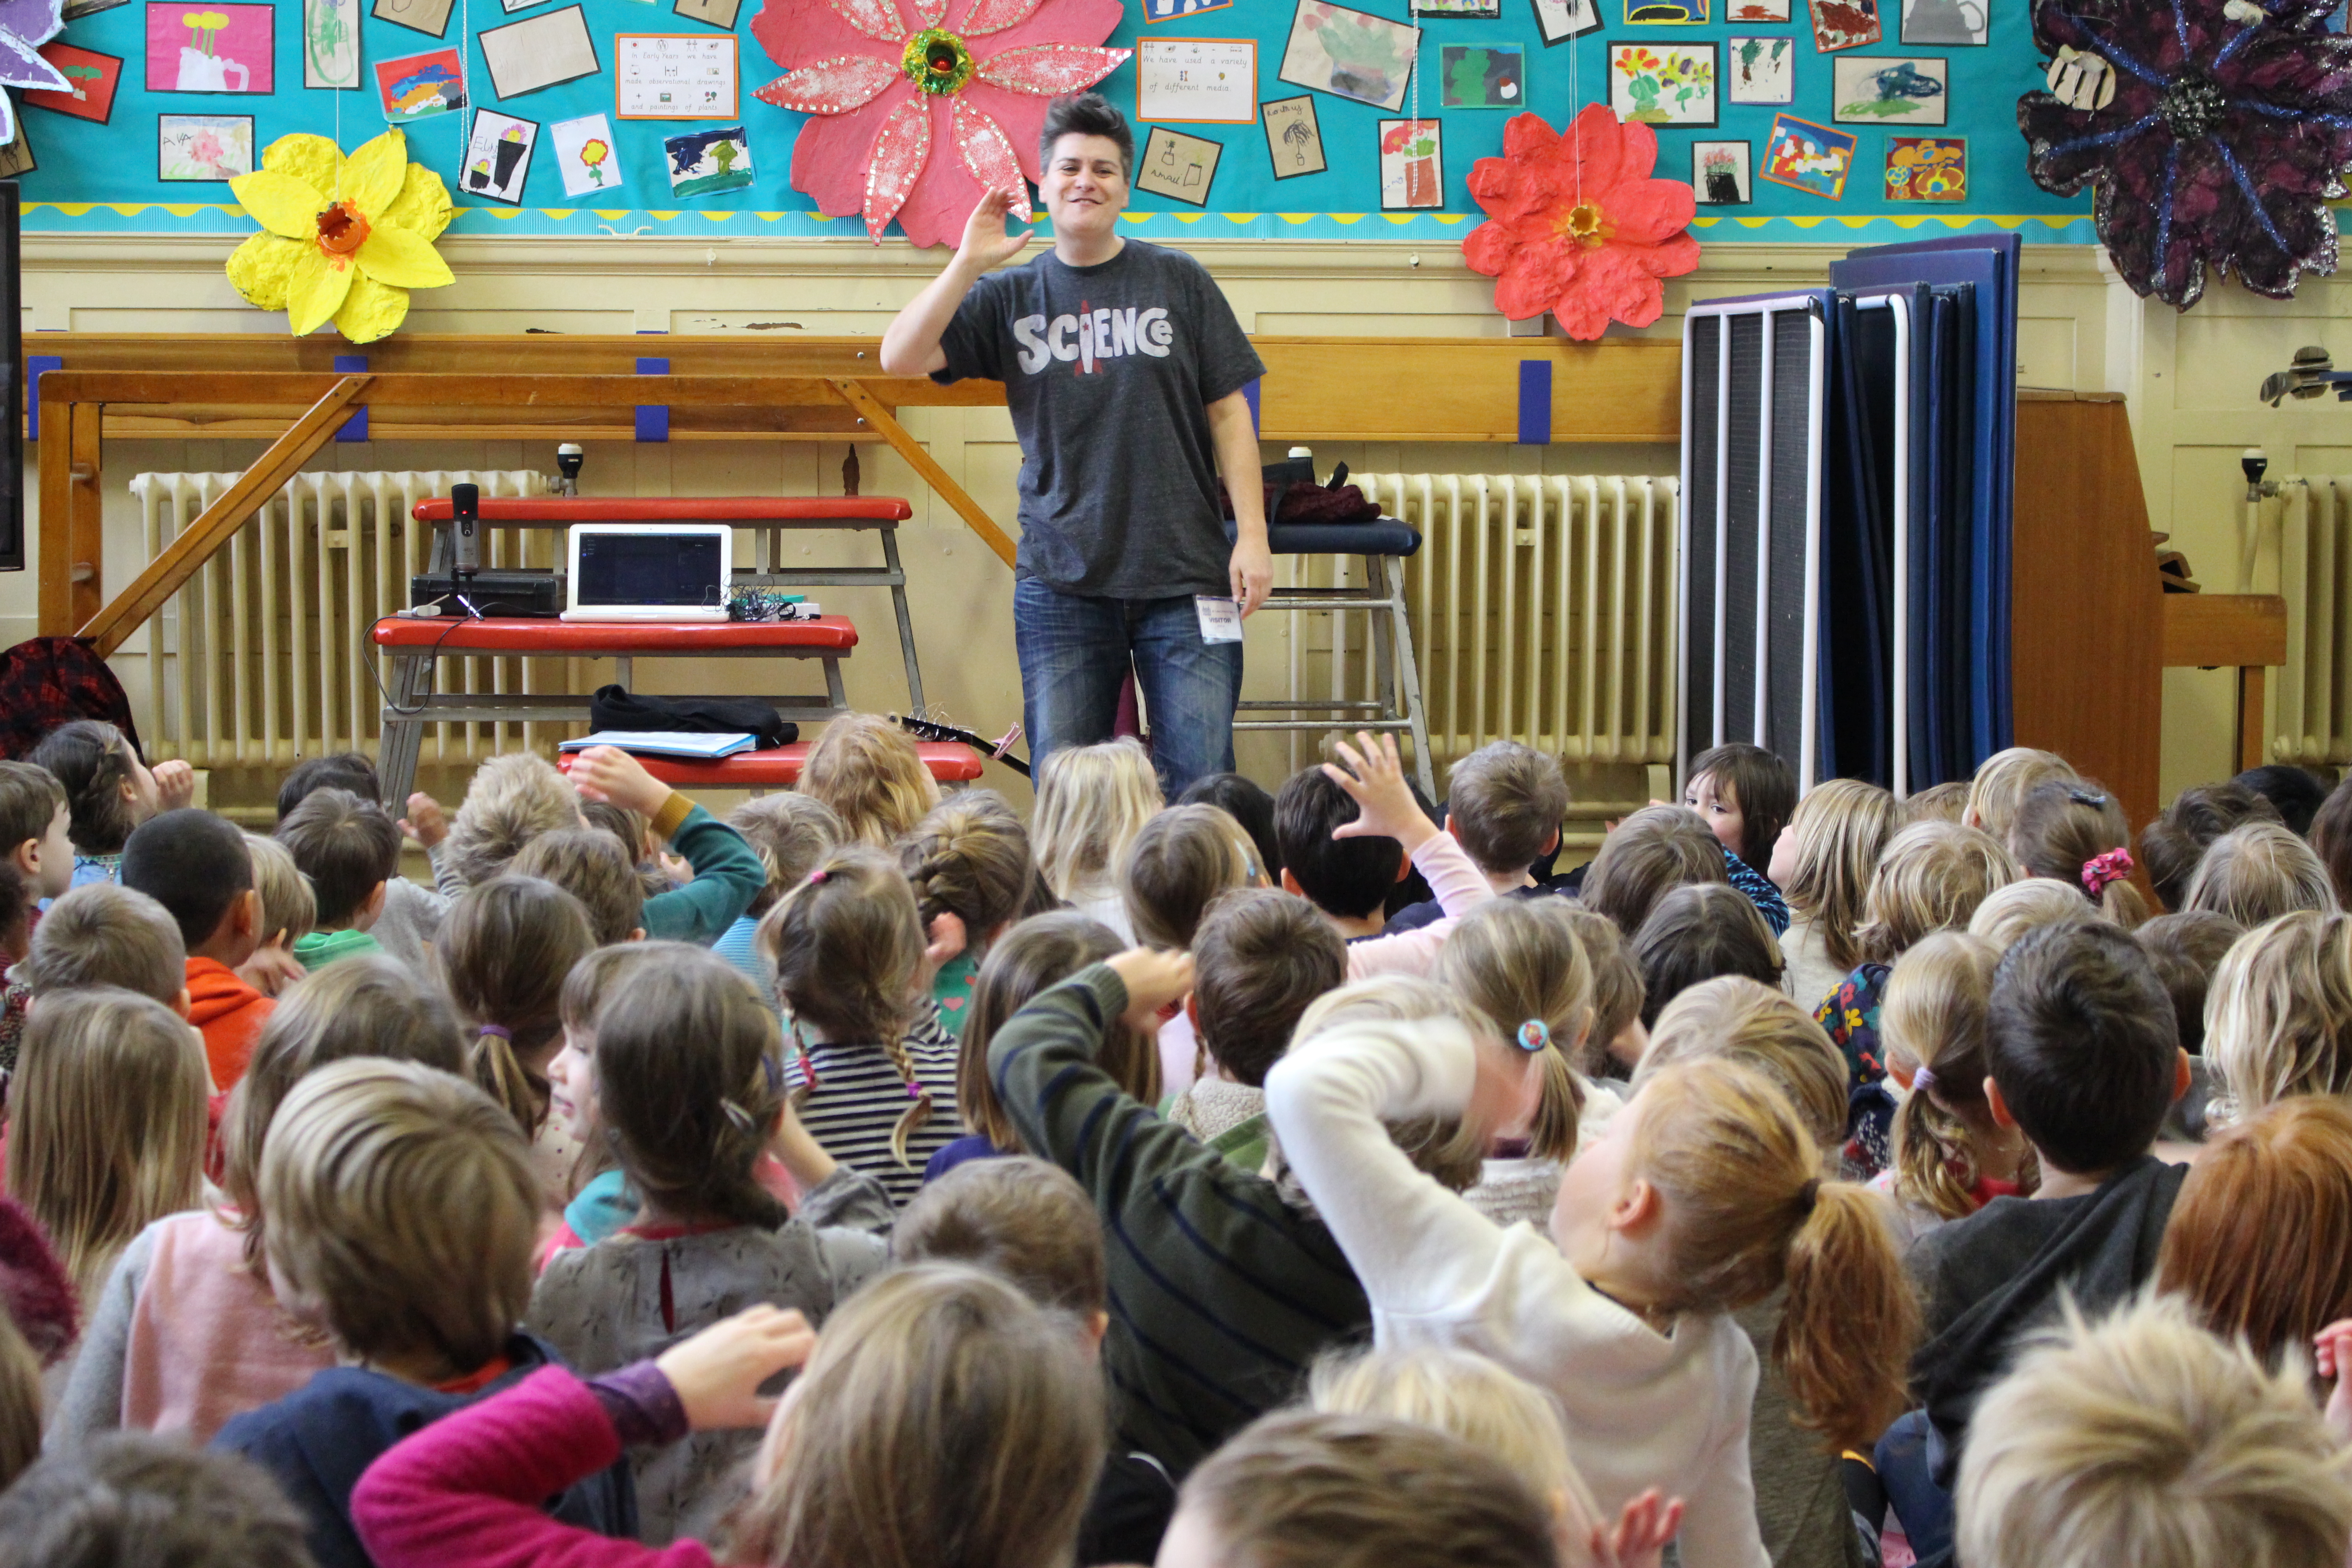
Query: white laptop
(650, 571)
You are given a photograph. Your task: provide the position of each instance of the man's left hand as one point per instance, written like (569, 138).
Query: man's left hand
(1251, 572)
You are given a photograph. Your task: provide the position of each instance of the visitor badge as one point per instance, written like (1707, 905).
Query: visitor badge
(1221, 619)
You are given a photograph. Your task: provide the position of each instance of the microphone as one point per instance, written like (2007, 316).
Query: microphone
(466, 540)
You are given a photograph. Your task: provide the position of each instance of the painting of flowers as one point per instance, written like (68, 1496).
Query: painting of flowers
(1413, 165)
(1807, 157)
(1352, 54)
(211, 49)
(1663, 84)
(202, 146)
(1927, 169)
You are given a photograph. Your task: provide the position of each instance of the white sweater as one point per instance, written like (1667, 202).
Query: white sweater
(1643, 1409)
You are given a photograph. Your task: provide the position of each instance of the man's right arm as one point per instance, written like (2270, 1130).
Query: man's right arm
(912, 344)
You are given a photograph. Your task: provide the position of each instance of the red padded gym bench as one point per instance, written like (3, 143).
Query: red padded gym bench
(767, 518)
(779, 767)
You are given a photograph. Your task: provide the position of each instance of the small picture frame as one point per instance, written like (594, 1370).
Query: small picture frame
(1664, 84)
(96, 78)
(430, 17)
(1720, 173)
(1667, 12)
(17, 156)
(1927, 169)
(1413, 165)
(676, 76)
(1845, 25)
(1180, 167)
(419, 87)
(1482, 76)
(1560, 20)
(212, 47)
(1185, 80)
(1169, 10)
(706, 163)
(1761, 69)
(1752, 11)
(1880, 90)
(1946, 23)
(1807, 157)
(1294, 137)
(720, 14)
(497, 159)
(211, 149)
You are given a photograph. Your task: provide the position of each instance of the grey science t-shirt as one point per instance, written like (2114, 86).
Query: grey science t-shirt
(1109, 369)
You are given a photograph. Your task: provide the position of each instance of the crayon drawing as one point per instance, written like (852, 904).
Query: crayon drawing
(1870, 90)
(703, 162)
(1294, 137)
(583, 151)
(211, 49)
(1412, 164)
(202, 146)
(419, 87)
(498, 157)
(1760, 70)
(1927, 169)
(1807, 157)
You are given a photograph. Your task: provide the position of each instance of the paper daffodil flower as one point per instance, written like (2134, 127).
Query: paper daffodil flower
(346, 239)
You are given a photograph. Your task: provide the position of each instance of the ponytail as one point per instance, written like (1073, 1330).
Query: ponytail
(1560, 1106)
(499, 1073)
(503, 950)
(1850, 1319)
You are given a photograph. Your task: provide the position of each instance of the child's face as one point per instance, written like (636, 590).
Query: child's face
(572, 1085)
(1720, 808)
(52, 857)
(140, 790)
(1591, 1185)
(1784, 859)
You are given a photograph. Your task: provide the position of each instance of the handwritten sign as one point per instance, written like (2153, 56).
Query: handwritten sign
(1196, 81)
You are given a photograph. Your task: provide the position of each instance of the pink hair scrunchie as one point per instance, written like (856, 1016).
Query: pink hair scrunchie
(2100, 870)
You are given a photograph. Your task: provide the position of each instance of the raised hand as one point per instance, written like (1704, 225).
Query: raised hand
(1640, 1536)
(1153, 979)
(719, 1372)
(609, 774)
(1386, 808)
(2332, 1357)
(175, 784)
(426, 823)
(987, 240)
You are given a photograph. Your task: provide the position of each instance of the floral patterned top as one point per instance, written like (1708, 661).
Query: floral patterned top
(1850, 1014)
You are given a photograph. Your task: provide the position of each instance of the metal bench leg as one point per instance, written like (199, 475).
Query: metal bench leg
(906, 623)
(403, 735)
(833, 687)
(1408, 672)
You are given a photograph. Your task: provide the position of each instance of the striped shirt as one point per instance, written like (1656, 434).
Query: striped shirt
(858, 1096)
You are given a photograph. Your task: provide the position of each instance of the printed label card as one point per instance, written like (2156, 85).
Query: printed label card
(583, 151)
(211, 49)
(1560, 20)
(1294, 138)
(674, 76)
(1844, 24)
(430, 17)
(1946, 23)
(1351, 54)
(419, 87)
(1196, 81)
(95, 79)
(1875, 92)
(1760, 70)
(539, 52)
(704, 162)
(1807, 157)
(1179, 166)
(1927, 169)
(1412, 164)
(331, 44)
(498, 157)
(1719, 174)
(1482, 76)
(203, 147)
(1663, 84)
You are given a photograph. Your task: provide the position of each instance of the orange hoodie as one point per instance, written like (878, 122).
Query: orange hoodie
(229, 1014)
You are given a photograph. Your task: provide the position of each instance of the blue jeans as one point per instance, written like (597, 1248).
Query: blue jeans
(1906, 1457)
(1075, 652)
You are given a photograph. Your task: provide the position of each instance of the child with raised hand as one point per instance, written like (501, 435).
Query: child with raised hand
(108, 790)
(1504, 803)
(412, 911)
(727, 875)
(968, 860)
(789, 832)
(689, 1097)
(2258, 872)
(1950, 1158)
(402, 1213)
(1747, 796)
(2077, 834)
(188, 1333)
(868, 771)
(1824, 863)
(848, 949)
(1705, 1196)
(504, 951)
(1091, 803)
(943, 1419)
(2278, 1019)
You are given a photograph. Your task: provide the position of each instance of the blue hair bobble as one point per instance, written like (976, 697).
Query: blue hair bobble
(1535, 1034)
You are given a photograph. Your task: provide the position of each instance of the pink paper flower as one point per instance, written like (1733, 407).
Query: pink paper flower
(887, 81)
(1576, 226)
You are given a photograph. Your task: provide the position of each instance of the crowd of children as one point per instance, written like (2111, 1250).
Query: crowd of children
(1306, 1177)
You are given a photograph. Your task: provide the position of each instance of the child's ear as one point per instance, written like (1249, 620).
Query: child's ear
(1636, 1210)
(245, 914)
(1290, 885)
(1999, 1107)
(2181, 1077)
(638, 934)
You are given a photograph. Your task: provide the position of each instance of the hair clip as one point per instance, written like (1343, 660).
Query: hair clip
(772, 1074)
(2089, 797)
(500, 1030)
(739, 1116)
(1535, 1034)
(817, 874)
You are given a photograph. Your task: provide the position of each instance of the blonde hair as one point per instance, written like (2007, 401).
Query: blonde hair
(1180, 859)
(288, 913)
(1618, 992)
(103, 933)
(1091, 803)
(944, 1420)
(2144, 1440)
(1746, 1212)
(589, 864)
(2061, 830)
(511, 800)
(1518, 960)
(1445, 1147)
(106, 1116)
(1932, 878)
(969, 858)
(847, 946)
(1933, 1014)
(403, 1211)
(2278, 1019)
(2257, 872)
(1840, 829)
(868, 771)
(790, 833)
(1737, 1019)
(2002, 781)
(503, 950)
(2029, 904)
(1505, 802)
(1938, 803)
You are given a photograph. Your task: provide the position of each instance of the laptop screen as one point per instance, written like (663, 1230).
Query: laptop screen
(651, 569)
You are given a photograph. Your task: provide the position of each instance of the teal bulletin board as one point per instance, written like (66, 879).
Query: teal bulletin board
(94, 177)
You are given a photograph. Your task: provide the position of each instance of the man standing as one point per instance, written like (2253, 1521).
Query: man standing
(1124, 368)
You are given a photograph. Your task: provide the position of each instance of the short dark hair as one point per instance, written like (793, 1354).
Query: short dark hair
(1084, 114)
(2185, 949)
(1259, 957)
(2081, 1041)
(30, 798)
(346, 845)
(1505, 801)
(344, 770)
(1761, 785)
(194, 863)
(1345, 877)
(135, 1496)
(2176, 841)
(2296, 792)
(1657, 849)
(90, 758)
(1697, 932)
(1247, 802)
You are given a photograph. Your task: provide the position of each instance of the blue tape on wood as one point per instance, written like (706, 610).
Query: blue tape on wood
(653, 419)
(34, 365)
(1251, 392)
(355, 429)
(1534, 403)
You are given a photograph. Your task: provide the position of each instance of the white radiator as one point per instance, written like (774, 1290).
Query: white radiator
(263, 658)
(1541, 608)
(2311, 723)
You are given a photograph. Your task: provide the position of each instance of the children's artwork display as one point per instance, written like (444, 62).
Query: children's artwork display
(1177, 165)
(1482, 76)
(539, 51)
(1666, 12)
(1479, 10)
(1760, 70)
(17, 156)
(705, 162)
(1719, 174)
(94, 79)
(1844, 24)
(720, 14)
(1351, 54)
(1560, 20)
(430, 17)
(1757, 11)
(1807, 157)
(1412, 164)
(1927, 169)
(330, 43)
(583, 151)
(1946, 23)
(419, 87)
(1169, 10)
(674, 76)
(211, 49)
(1663, 84)
(498, 157)
(203, 147)
(1873, 90)
(1294, 138)
(1196, 81)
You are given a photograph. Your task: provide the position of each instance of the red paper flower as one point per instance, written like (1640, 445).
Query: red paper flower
(887, 81)
(1575, 224)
